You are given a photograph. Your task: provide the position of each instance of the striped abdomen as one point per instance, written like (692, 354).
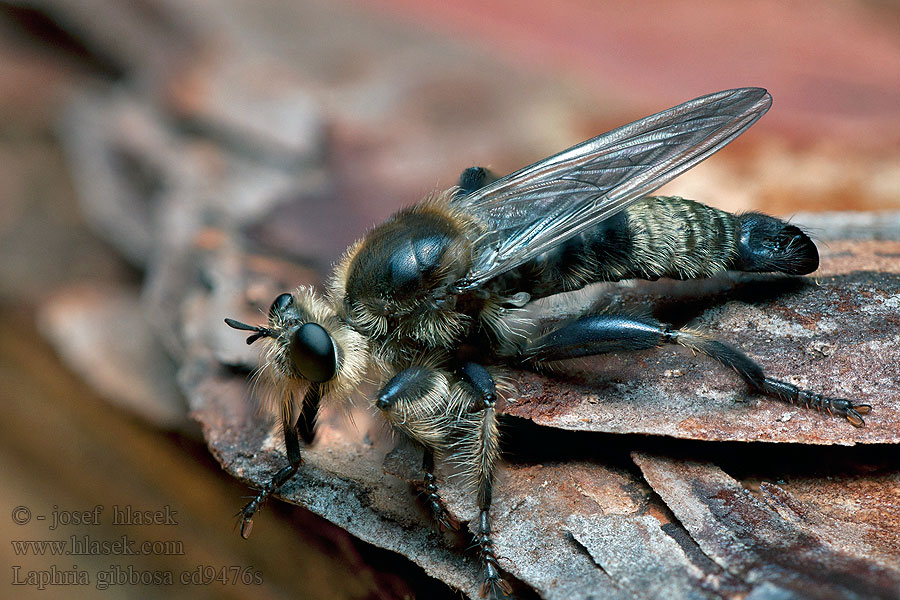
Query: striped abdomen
(665, 237)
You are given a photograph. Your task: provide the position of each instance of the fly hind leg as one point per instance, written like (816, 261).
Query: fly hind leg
(753, 374)
(599, 334)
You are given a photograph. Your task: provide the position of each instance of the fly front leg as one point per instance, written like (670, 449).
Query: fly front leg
(599, 334)
(292, 445)
(303, 428)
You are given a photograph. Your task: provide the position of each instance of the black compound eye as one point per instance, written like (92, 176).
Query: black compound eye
(281, 304)
(313, 353)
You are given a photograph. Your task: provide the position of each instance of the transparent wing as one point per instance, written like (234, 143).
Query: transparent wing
(542, 205)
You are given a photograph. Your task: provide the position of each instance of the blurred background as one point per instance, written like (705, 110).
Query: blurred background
(138, 136)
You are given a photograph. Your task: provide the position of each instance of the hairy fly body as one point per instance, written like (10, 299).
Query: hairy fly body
(434, 301)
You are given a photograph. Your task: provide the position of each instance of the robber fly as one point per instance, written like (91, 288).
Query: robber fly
(435, 299)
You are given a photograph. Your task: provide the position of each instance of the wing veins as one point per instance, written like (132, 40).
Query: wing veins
(546, 203)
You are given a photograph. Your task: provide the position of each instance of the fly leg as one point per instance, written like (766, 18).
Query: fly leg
(481, 447)
(433, 496)
(598, 334)
(417, 401)
(474, 178)
(414, 401)
(292, 434)
(753, 374)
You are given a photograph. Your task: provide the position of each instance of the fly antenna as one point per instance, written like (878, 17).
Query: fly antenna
(259, 332)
